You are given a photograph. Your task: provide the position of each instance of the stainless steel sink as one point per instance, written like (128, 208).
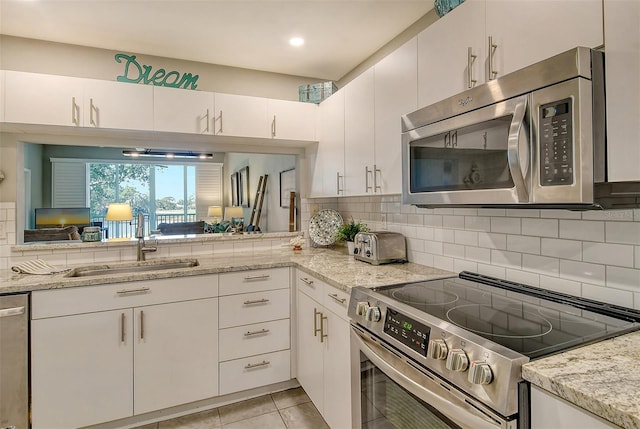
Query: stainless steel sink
(106, 270)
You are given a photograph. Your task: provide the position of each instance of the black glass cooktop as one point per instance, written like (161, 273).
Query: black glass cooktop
(532, 321)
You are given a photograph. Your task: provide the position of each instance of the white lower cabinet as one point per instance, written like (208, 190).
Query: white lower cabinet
(102, 353)
(255, 329)
(323, 361)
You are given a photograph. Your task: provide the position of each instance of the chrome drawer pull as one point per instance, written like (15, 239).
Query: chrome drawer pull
(257, 365)
(316, 313)
(307, 281)
(15, 311)
(139, 290)
(258, 301)
(261, 277)
(262, 331)
(335, 297)
(122, 327)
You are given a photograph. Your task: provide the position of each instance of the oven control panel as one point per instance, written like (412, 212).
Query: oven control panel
(406, 330)
(556, 143)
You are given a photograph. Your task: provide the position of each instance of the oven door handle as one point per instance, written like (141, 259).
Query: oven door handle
(513, 150)
(454, 408)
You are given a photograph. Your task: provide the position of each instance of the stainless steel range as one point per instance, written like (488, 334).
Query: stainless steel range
(448, 353)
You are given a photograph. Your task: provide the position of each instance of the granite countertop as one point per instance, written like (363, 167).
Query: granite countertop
(601, 378)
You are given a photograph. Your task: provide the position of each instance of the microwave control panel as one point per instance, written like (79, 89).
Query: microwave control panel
(556, 143)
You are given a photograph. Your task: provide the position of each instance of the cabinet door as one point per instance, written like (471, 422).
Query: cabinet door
(118, 105)
(443, 53)
(529, 31)
(241, 116)
(622, 63)
(182, 111)
(82, 369)
(396, 84)
(359, 134)
(337, 372)
(292, 120)
(310, 350)
(328, 166)
(32, 98)
(176, 354)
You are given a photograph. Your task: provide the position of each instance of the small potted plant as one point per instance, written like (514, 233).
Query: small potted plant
(348, 231)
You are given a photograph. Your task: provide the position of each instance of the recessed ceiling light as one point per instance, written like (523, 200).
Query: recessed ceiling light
(296, 41)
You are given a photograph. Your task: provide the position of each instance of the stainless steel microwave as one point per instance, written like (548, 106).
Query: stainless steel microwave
(533, 138)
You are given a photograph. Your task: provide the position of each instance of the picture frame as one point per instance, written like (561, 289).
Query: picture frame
(287, 185)
(234, 189)
(243, 186)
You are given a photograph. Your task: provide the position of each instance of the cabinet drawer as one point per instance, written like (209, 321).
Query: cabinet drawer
(88, 299)
(337, 301)
(254, 281)
(250, 340)
(249, 308)
(311, 286)
(255, 371)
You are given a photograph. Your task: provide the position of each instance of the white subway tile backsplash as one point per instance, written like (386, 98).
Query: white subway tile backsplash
(453, 222)
(540, 227)
(560, 214)
(443, 262)
(492, 271)
(477, 223)
(507, 225)
(541, 264)
(610, 254)
(477, 254)
(506, 259)
(623, 278)
(523, 213)
(454, 250)
(463, 265)
(523, 277)
(469, 238)
(619, 215)
(422, 258)
(424, 233)
(582, 230)
(561, 285)
(607, 294)
(492, 240)
(445, 235)
(622, 232)
(434, 247)
(582, 271)
(559, 248)
(523, 244)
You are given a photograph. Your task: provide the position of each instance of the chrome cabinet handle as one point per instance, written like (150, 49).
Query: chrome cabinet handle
(75, 112)
(492, 50)
(471, 82)
(334, 296)
(260, 277)
(257, 365)
(306, 281)
(315, 322)
(122, 328)
(141, 325)
(206, 128)
(257, 301)
(447, 139)
(250, 333)
(273, 126)
(338, 189)
(138, 290)
(92, 108)
(322, 334)
(220, 132)
(366, 178)
(454, 139)
(376, 187)
(513, 150)
(14, 311)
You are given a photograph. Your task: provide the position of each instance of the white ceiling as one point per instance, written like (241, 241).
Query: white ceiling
(339, 34)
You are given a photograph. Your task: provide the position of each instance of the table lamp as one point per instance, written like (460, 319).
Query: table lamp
(236, 215)
(214, 213)
(119, 212)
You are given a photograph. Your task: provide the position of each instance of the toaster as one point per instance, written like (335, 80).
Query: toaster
(381, 247)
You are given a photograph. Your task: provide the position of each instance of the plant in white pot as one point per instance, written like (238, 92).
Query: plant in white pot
(348, 231)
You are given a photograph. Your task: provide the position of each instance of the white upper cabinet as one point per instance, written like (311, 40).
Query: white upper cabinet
(118, 106)
(241, 116)
(359, 134)
(451, 53)
(292, 120)
(396, 82)
(527, 31)
(622, 64)
(183, 111)
(32, 98)
(328, 165)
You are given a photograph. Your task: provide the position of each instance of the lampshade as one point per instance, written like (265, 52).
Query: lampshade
(119, 211)
(233, 212)
(214, 211)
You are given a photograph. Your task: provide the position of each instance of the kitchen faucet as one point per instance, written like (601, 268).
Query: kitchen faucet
(142, 249)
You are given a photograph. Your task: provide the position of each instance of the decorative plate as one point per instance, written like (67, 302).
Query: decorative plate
(323, 227)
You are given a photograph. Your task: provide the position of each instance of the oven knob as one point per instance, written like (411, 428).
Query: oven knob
(362, 308)
(457, 360)
(480, 373)
(437, 349)
(373, 314)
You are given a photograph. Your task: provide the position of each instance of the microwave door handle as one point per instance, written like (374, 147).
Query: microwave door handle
(513, 151)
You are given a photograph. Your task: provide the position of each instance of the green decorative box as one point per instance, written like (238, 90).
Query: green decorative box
(316, 92)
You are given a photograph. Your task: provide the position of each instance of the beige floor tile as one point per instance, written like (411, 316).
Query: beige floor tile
(246, 409)
(265, 421)
(204, 420)
(304, 416)
(289, 398)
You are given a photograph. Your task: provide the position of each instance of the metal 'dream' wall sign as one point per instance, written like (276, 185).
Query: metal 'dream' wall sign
(136, 73)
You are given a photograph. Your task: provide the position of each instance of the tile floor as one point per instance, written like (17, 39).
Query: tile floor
(290, 409)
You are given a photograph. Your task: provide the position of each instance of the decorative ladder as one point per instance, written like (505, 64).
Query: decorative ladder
(256, 211)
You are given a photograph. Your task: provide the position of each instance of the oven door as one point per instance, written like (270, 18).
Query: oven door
(478, 158)
(388, 391)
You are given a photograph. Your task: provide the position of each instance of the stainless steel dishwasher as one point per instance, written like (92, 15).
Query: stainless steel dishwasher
(14, 361)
